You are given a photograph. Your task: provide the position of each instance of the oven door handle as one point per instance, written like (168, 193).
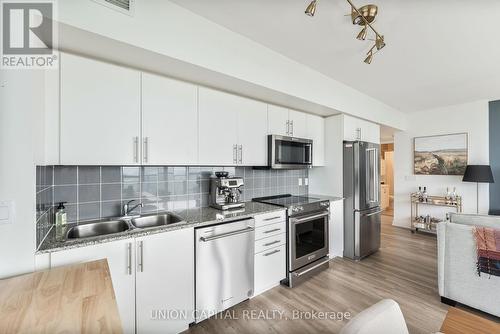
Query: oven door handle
(227, 234)
(372, 214)
(301, 220)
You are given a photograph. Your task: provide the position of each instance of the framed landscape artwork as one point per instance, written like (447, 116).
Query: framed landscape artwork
(441, 155)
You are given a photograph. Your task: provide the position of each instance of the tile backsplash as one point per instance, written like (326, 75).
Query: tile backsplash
(94, 192)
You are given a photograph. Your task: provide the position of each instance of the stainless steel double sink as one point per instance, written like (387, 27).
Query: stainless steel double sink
(122, 224)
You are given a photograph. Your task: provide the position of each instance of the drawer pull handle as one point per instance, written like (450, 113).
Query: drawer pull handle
(272, 218)
(274, 230)
(271, 243)
(273, 252)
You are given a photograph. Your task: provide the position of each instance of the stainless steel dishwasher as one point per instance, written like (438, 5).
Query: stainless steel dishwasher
(224, 266)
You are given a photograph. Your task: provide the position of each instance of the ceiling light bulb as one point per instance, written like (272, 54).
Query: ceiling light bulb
(355, 17)
(380, 42)
(362, 34)
(311, 9)
(369, 59)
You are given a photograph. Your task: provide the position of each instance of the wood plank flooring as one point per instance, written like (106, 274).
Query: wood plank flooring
(404, 269)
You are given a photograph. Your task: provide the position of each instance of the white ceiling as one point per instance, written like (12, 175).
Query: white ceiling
(438, 52)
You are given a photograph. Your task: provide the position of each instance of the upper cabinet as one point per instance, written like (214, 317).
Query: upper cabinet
(100, 113)
(316, 132)
(286, 122)
(169, 121)
(358, 129)
(232, 129)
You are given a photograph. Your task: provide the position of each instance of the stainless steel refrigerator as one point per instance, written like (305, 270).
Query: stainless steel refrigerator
(362, 199)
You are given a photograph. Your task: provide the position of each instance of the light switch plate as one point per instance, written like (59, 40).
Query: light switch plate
(300, 181)
(6, 212)
(306, 181)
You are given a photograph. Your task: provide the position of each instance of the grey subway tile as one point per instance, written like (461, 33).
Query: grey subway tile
(111, 209)
(165, 174)
(110, 174)
(65, 175)
(180, 173)
(88, 211)
(65, 194)
(89, 175)
(71, 213)
(193, 173)
(166, 188)
(180, 188)
(111, 192)
(193, 187)
(89, 193)
(149, 174)
(149, 190)
(131, 191)
(131, 174)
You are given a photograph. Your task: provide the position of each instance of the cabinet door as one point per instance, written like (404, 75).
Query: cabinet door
(252, 133)
(169, 121)
(165, 281)
(100, 113)
(218, 127)
(277, 121)
(352, 129)
(298, 124)
(370, 132)
(336, 229)
(120, 256)
(270, 268)
(316, 132)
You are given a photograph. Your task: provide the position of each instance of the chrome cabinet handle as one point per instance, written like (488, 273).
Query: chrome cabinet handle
(273, 252)
(288, 127)
(358, 133)
(235, 154)
(295, 220)
(222, 235)
(291, 123)
(373, 213)
(273, 230)
(240, 154)
(136, 149)
(129, 258)
(271, 243)
(272, 218)
(146, 149)
(141, 256)
(312, 268)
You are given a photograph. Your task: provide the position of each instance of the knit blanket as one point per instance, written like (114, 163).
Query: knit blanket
(488, 250)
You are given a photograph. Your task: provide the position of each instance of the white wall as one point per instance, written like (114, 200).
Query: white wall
(21, 111)
(170, 30)
(471, 118)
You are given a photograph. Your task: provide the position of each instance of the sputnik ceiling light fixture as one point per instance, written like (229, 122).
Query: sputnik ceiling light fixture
(363, 16)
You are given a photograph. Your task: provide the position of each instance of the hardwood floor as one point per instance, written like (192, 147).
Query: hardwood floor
(404, 269)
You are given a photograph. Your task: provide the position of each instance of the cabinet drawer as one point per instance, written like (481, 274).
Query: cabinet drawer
(270, 218)
(270, 230)
(270, 242)
(270, 268)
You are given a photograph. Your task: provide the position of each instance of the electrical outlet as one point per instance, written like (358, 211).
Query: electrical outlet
(306, 181)
(300, 181)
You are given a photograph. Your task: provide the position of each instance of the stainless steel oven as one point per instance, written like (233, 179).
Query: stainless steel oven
(289, 152)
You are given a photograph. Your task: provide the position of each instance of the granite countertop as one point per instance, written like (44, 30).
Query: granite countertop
(192, 218)
(327, 197)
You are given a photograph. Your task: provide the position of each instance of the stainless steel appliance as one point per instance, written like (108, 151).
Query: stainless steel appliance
(362, 199)
(225, 192)
(224, 266)
(307, 235)
(289, 152)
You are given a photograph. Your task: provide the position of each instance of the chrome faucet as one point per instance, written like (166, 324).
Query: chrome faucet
(127, 209)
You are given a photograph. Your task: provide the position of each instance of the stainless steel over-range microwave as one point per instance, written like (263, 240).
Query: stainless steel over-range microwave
(289, 152)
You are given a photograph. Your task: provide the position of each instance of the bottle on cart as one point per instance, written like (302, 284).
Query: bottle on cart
(425, 196)
(419, 194)
(454, 196)
(447, 198)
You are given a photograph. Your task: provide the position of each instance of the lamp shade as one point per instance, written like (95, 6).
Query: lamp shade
(478, 173)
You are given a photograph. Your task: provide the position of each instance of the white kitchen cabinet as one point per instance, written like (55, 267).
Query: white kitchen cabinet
(232, 129)
(169, 121)
(286, 122)
(99, 113)
(277, 120)
(316, 132)
(218, 130)
(120, 256)
(165, 281)
(336, 229)
(270, 251)
(298, 123)
(358, 129)
(252, 132)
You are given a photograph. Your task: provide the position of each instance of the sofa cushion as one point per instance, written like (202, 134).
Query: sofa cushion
(477, 220)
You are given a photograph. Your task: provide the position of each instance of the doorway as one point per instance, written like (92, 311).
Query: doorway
(387, 178)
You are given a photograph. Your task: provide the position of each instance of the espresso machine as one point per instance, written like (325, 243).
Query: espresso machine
(225, 191)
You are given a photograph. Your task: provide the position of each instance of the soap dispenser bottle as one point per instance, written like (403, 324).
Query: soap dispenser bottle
(61, 220)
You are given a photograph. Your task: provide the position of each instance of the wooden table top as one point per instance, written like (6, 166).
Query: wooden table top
(462, 322)
(71, 299)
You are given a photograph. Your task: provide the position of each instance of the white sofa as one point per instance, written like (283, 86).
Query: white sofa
(457, 273)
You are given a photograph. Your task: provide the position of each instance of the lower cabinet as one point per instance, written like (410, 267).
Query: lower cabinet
(270, 251)
(120, 256)
(152, 278)
(336, 229)
(165, 282)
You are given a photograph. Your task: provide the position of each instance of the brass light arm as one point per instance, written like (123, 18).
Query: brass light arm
(363, 18)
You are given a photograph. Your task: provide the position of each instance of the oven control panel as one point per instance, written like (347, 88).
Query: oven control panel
(297, 209)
